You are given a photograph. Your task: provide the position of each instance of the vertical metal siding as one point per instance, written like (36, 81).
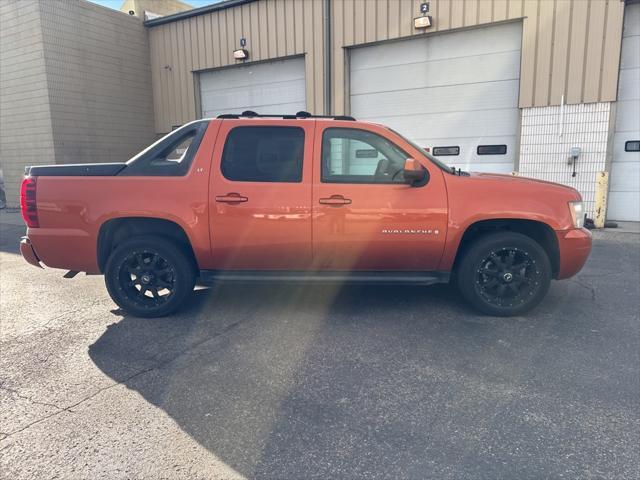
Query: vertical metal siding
(273, 28)
(569, 47)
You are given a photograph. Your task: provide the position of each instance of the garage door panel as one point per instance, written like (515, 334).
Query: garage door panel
(619, 154)
(229, 88)
(630, 54)
(275, 108)
(503, 66)
(447, 124)
(626, 177)
(631, 21)
(453, 89)
(271, 87)
(446, 46)
(623, 206)
(254, 74)
(229, 99)
(437, 99)
(628, 116)
(624, 180)
(629, 81)
(468, 156)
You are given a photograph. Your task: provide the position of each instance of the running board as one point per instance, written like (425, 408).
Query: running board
(410, 278)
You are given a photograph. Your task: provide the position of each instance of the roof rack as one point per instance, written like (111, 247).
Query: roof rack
(300, 114)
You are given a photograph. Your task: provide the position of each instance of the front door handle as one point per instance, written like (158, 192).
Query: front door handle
(335, 201)
(232, 198)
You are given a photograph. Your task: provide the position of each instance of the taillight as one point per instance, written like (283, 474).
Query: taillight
(28, 204)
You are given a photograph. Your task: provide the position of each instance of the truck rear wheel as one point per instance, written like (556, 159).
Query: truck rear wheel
(149, 276)
(504, 274)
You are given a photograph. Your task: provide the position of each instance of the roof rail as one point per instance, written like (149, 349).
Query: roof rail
(298, 115)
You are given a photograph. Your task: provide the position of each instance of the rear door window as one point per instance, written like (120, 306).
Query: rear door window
(263, 154)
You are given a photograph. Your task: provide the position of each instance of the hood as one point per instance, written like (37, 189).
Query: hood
(527, 182)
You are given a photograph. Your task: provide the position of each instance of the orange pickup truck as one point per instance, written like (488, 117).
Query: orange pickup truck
(299, 197)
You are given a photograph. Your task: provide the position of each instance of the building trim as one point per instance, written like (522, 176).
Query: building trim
(195, 12)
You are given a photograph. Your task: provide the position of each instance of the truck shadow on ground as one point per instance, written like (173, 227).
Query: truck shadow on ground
(307, 381)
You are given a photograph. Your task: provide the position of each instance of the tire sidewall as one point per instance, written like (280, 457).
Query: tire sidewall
(478, 252)
(172, 253)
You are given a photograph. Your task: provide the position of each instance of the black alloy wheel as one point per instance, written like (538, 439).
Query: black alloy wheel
(504, 274)
(507, 277)
(149, 277)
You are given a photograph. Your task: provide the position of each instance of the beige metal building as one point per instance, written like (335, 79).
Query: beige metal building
(506, 85)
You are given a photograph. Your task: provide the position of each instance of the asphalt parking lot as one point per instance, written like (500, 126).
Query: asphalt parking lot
(296, 381)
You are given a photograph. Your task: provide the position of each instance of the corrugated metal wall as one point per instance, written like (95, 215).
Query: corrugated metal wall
(273, 29)
(569, 47)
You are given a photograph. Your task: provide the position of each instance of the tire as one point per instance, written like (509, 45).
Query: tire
(161, 268)
(504, 274)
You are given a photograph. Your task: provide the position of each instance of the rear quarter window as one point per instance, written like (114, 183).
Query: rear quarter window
(170, 156)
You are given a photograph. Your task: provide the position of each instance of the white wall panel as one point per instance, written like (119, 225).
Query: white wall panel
(547, 137)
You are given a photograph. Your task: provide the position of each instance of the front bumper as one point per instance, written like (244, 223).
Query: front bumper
(28, 253)
(575, 247)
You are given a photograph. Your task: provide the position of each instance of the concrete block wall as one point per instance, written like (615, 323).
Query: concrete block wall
(26, 136)
(99, 77)
(547, 136)
(75, 86)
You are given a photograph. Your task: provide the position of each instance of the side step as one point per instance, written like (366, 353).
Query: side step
(409, 278)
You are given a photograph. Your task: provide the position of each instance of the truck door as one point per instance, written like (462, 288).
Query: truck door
(366, 217)
(260, 195)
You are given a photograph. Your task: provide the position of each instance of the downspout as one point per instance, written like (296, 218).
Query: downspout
(327, 57)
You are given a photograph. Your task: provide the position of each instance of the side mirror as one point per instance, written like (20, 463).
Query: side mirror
(414, 173)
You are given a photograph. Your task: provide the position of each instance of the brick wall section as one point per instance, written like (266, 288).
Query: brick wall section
(545, 145)
(99, 77)
(25, 119)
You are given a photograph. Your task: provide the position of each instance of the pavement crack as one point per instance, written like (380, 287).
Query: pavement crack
(29, 399)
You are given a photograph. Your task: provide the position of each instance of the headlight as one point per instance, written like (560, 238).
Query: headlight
(577, 214)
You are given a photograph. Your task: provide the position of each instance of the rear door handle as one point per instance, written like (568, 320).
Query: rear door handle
(232, 198)
(335, 201)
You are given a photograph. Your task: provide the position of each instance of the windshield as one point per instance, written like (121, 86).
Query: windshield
(439, 163)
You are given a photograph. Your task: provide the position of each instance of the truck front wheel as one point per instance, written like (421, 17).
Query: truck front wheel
(149, 276)
(504, 274)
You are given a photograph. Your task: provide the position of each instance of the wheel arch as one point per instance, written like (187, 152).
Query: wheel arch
(114, 231)
(538, 231)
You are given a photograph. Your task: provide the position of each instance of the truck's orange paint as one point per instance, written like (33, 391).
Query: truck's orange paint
(352, 236)
(298, 226)
(71, 210)
(271, 230)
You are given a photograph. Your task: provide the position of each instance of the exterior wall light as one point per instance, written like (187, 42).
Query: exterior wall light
(425, 20)
(422, 22)
(241, 54)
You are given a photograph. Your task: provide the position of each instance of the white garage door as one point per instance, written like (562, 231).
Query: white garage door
(624, 184)
(456, 89)
(272, 87)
